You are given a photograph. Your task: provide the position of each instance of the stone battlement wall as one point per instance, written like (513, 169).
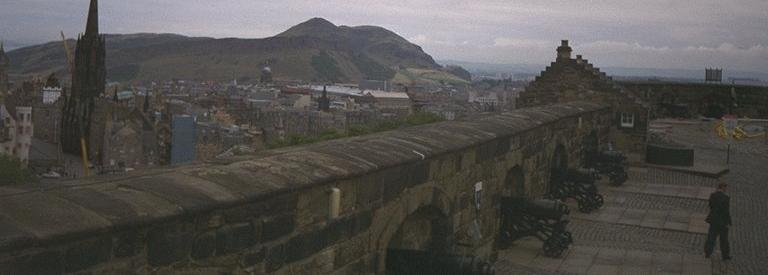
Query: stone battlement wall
(697, 99)
(271, 213)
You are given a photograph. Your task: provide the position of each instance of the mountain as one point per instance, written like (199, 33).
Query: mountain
(314, 50)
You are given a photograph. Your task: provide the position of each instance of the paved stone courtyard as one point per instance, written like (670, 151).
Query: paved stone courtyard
(654, 223)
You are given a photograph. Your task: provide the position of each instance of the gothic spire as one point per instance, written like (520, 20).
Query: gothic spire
(3, 57)
(92, 26)
(146, 102)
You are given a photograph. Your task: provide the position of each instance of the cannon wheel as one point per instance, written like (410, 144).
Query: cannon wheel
(585, 207)
(598, 201)
(617, 179)
(553, 248)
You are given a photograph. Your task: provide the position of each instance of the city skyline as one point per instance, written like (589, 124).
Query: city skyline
(615, 33)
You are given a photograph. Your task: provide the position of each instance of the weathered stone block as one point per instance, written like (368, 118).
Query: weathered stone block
(394, 180)
(275, 258)
(369, 191)
(46, 262)
(88, 253)
(319, 263)
(418, 173)
(339, 230)
(277, 204)
(277, 226)
(303, 245)
(204, 246)
(11, 236)
(254, 257)
(348, 196)
(486, 151)
(351, 250)
(233, 238)
(127, 244)
(312, 206)
(166, 245)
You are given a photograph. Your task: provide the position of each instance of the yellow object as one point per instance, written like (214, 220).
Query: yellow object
(85, 156)
(68, 53)
(738, 132)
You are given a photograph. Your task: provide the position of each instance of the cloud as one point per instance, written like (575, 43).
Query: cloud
(726, 55)
(520, 43)
(655, 33)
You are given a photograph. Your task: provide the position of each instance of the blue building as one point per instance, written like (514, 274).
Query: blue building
(183, 139)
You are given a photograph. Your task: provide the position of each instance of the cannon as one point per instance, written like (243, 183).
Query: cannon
(544, 219)
(578, 184)
(611, 163)
(418, 262)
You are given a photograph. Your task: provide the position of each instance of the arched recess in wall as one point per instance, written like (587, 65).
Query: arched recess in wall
(424, 233)
(514, 189)
(514, 183)
(558, 168)
(590, 149)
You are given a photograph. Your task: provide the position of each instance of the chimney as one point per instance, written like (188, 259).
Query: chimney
(579, 60)
(564, 51)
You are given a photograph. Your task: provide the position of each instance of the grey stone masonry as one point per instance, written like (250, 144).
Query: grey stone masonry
(270, 212)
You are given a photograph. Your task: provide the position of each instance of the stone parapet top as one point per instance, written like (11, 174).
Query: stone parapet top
(34, 214)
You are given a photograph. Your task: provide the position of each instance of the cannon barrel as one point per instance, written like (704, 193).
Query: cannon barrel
(580, 175)
(550, 209)
(406, 261)
(613, 155)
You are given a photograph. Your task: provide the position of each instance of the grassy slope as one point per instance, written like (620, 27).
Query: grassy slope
(413, 76)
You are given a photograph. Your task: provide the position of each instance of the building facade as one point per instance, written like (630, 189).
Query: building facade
(16, 126)
(568, 79)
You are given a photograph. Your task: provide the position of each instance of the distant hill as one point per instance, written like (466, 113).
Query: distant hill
(314, 50)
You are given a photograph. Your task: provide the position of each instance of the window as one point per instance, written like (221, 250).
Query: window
(627, 120)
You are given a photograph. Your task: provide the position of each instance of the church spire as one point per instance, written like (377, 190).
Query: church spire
(92, 26)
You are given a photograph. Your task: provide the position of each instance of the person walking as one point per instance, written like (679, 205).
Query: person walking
(719, 220)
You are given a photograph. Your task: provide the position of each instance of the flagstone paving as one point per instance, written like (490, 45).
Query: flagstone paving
(654, 224)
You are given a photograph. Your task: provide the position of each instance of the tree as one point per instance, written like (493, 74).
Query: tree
(13, 172)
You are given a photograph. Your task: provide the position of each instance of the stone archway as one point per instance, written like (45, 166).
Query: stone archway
(390, 219)
(558, 168)
(422, 234)
(513, 189)
(514, 183)
(590, 150)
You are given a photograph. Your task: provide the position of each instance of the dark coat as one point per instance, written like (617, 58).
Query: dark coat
(719, 209)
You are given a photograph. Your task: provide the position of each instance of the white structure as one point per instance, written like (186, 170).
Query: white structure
(490, 98)
(16, 133)
(51, 94)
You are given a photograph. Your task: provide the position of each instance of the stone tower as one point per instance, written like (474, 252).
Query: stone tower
(88, 84)
(324, 103)
(564, 51)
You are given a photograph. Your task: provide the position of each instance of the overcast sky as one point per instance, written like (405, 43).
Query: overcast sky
(650, 34)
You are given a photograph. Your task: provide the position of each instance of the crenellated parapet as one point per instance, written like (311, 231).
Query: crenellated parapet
(576, 79)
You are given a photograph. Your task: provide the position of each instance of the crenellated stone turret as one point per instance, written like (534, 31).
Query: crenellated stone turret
(564, 51)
